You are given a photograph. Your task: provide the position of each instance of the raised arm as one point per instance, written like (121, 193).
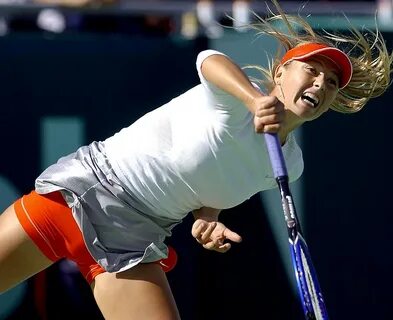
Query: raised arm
(226, 75)
(268, 111)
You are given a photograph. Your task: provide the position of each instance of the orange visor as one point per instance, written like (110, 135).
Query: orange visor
(306, 51)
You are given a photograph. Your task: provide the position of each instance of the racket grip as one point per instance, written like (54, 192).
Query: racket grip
(275, 154)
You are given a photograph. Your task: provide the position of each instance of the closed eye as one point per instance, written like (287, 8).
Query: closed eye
(312, 70)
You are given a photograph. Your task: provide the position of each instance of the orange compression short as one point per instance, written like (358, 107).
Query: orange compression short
(48, 221)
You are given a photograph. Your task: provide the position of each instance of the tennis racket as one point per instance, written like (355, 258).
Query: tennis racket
(306, 277)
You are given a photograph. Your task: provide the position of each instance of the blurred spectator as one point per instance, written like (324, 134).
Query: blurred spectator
(53, 16)
(206, 15)
(51, 20)
(241, 14)
(385, 12)
(75, 3)
(189, 25)
(54, 20)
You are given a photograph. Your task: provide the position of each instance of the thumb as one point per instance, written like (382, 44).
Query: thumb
(233, 236)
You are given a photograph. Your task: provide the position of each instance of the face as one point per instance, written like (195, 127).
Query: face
(307, 88)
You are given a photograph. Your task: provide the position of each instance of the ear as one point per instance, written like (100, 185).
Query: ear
(278, 74)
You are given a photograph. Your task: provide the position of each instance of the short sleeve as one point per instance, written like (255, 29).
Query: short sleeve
(218, 98)
(201, 57)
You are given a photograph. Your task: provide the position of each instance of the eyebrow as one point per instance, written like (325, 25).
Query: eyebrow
(335, 71)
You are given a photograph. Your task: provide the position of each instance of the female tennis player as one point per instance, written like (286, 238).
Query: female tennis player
(110, 205)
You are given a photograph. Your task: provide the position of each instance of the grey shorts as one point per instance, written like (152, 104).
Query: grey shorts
(118, 229)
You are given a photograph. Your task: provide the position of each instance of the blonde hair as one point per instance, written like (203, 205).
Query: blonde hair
(370, 58)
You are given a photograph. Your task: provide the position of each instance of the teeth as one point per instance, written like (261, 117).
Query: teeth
(310, 98)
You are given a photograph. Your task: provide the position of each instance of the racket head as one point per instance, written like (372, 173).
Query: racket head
(307, 282)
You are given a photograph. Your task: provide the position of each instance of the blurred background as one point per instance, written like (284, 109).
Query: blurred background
(74, 71)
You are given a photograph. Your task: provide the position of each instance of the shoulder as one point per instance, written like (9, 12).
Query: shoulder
(205, 54)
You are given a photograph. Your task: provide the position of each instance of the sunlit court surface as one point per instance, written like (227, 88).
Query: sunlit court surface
(145, 125)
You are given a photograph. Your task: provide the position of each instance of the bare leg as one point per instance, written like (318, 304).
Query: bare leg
(141, 293)
(19, 256)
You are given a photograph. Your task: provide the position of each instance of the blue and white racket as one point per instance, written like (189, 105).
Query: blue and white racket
(307, 282)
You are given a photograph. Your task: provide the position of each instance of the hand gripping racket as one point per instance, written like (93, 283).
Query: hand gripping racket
(307, 282)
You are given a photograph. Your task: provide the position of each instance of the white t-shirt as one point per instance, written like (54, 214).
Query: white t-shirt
(199, 149)
(129, 191)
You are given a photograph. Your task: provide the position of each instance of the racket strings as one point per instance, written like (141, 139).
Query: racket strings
(310, 284)
(303, 287)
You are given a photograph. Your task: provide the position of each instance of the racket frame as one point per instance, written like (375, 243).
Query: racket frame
(297, 243)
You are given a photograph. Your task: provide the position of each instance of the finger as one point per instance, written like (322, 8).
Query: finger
(233, 236)
(262, 112)
(209, 245)
(207, 233)
(272, 122)
(266, 102)
(271, 118)
(269, 108)
(200, 230)
(197, 228)
(271, 128)
(223, 248)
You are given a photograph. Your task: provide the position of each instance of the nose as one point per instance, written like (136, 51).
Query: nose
(319, 81)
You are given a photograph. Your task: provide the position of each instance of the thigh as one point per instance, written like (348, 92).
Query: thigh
(20, 258)
(140, 293)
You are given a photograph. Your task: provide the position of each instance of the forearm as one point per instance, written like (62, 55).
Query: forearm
(206, 213)
(226, 75)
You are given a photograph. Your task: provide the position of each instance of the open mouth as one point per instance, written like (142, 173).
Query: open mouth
(310, 99)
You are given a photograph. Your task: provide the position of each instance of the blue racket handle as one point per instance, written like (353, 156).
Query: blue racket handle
(275, 154)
